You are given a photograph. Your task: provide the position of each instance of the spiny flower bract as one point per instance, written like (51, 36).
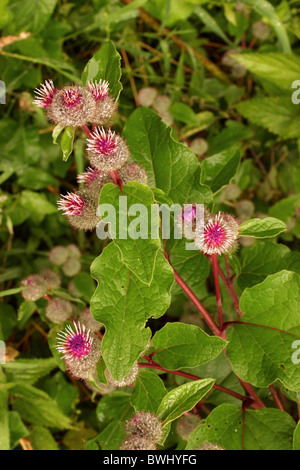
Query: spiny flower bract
(106, 150)
(143, 431)
(45, 94)
(72, 106)
(133, 172)
(58, 310)
(80, 208)
(80, 350)
(218, 234)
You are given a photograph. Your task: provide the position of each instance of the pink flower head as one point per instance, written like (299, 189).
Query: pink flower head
(106, 150)
(187, 219)
(90, 175)
(218, 235)
(71, 97)
(189, 214)
(99, 90)
(74, 344)
(71, 204)
(143, 430)
(45, 94)
(102, 143)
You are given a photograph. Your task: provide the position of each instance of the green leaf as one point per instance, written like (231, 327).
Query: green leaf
(41, 439)
(56, 131)
(36, 407)
(139, 254)
(269, 66)
(67, 141)
(179, 345)
(191, 265)
(35, 178)
(85, 285)
(148, 392)
(264, 258)
(211, 24)
(17, 428)
(4, 422)
(285, 208)
(183, 399)
(278, 115)
(62, 391)
(266, 429)
(7, 319)
(266, 9)
(218, 170)
(262, 228)
(112, 406)
(112, 412)
(170, 165)
(26, 309)
(220, 369)
(296, 440)
(36, 203)
(260, 345)
(123, 304)
(105, 65)
(32, 15)
(29, 370)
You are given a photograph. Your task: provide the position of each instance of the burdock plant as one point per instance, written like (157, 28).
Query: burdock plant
(117, 342)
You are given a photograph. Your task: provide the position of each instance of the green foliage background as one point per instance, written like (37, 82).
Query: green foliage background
(221, 129)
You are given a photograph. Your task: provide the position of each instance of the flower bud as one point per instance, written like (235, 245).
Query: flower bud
(73, 251)
(80, 208)
(218, 234)
(143, 430)
(105, 104)
(52, 279)
(87, 319)
(36, 287)
(133, 172)
(58, 255)
(260, 30)
(106, 150)
(58, 310)
(80, 350)
(45, 95)
(72, 106)
(71, 267)
(186, 424)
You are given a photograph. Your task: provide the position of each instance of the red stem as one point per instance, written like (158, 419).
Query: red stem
(230, 289)
(214, 258)
(198, 304)
(276, 397)
(86, 130)
(155, 365)
(257, 403)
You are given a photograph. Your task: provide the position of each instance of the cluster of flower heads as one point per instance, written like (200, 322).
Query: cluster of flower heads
(39, 285)
(80, 350)
(80, 207)
(66, 257)
(213, 233)
(143, 431)
(77, 106)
